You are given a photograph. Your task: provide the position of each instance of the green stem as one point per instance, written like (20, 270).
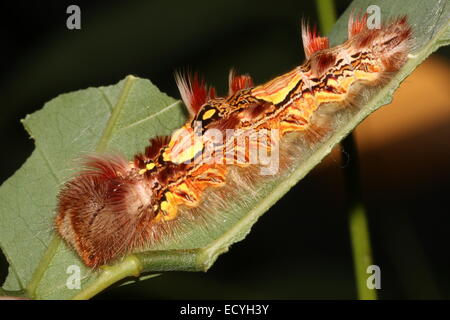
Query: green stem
(327, 15)
(358, 225)
(129, 267)
(362, 254)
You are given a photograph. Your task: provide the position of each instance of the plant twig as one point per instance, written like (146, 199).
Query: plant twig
(358, 225)
(327, 15)
(129, 267)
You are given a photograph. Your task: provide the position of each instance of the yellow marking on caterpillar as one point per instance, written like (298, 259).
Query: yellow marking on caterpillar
(362, 75)
(169, 207)
(208, 114)
(166, 156)
(148, 167)
(285, 127)
(183, 188)
(189, 153)
(164, 205)
(296, 113)
(346, 83)
(183, 146)
(328, 97)
(333, 83)
(276, 90)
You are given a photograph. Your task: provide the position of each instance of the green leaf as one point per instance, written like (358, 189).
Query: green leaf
(122, 118)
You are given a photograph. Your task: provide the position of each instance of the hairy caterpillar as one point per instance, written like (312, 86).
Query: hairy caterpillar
(113, 206)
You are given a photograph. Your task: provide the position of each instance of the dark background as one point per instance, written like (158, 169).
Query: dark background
(300, 248)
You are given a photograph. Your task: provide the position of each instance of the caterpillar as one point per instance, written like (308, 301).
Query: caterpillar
(112, 206)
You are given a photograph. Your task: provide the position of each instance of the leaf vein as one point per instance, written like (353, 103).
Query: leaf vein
(107, 133)
(153, 115)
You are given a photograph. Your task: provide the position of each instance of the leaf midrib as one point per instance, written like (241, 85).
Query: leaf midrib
(51, 250)
(107, 133)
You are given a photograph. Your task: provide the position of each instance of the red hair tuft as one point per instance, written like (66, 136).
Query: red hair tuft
(312, 42)
(321, 62)
(193, 91)
(356, 24)
(238, 82)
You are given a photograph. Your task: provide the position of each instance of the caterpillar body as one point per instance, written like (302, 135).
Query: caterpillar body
(114, 206)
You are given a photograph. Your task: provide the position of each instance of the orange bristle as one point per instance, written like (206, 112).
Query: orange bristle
(312, 42)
